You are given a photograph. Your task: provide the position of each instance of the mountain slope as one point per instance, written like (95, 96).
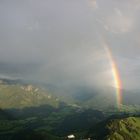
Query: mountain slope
(27, 108)
(20, 96)
(126, 128)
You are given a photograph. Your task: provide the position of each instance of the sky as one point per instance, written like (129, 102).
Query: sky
(60, 42)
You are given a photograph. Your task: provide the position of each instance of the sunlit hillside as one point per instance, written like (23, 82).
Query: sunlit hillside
(124, 129)
(20, 96)
(117, 128)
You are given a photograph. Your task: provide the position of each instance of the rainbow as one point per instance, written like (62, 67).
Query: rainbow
(115, 74)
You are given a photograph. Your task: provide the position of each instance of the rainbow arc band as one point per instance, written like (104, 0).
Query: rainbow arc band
(115, 74)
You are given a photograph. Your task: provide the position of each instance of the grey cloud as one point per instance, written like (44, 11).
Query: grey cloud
(59, 42)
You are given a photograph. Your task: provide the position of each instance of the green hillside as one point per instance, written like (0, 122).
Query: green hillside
(20, 96)
(29, 112)
(126, 128)
(16, 94)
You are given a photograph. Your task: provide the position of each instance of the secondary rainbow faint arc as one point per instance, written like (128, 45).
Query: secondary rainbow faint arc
(115, 74)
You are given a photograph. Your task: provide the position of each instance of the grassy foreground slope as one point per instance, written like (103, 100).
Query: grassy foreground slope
(116, 128)
(124, 129)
